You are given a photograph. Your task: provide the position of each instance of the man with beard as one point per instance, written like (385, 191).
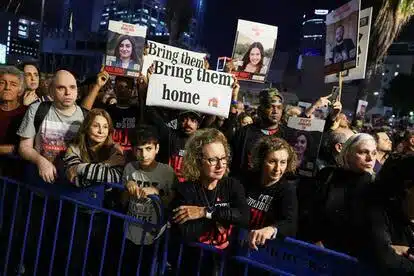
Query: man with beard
(344, 48)
(384, 148)
(174, 140)
(270, 113)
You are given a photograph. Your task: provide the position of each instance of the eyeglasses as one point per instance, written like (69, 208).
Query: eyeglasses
(213, 161)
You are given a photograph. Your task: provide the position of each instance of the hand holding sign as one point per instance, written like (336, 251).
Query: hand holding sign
(102, 78)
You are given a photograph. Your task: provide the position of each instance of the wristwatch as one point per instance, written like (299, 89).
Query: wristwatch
(209, 213)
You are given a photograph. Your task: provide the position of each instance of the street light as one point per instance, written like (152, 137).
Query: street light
(411, 113)
(376, 93)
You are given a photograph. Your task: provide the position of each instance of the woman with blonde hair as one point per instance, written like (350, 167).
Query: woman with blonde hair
(93, 157)
(342, 193)
(209, 203)
(271, 197)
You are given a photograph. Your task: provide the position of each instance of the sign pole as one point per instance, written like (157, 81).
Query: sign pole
(340, 86)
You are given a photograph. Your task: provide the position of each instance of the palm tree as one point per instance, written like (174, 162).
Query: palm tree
(391, 18)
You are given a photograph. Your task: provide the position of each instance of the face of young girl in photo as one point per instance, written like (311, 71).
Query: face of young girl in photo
(301, 144)
(125, 49)
(99, 130)
(255, 56)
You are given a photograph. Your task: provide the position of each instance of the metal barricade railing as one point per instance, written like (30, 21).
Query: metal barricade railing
(42, 233)
(45, 235)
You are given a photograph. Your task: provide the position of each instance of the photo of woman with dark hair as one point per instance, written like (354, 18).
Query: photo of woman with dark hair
(253, 59)
(301, 144)
(125, 53)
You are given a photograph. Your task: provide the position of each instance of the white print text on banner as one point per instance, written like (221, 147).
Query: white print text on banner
(173, 55)
(190, 88)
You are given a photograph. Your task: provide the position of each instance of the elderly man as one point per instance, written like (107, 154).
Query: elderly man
(48, 127)
(11, 111)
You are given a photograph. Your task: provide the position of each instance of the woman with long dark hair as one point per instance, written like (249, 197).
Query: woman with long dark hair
(253, 59)
(126, 53)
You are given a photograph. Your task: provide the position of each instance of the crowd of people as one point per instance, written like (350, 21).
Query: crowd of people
(213, 175)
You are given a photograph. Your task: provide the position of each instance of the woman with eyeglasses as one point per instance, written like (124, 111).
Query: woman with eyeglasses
(271, 197)
(209, 204)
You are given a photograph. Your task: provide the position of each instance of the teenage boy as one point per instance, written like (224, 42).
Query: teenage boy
(143, 178)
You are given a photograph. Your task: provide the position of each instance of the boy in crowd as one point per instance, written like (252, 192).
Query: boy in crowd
(143, 178)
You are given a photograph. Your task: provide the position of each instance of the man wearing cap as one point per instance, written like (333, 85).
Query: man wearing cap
(173, 141)
(270, 113)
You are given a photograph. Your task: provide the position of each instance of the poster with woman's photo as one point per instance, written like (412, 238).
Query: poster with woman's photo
(253, 50)
(305, 136)
(124, 48)
(361, 109)
(342, 38)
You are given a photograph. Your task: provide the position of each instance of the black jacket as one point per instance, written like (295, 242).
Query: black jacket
(349, 218)
(230, 210)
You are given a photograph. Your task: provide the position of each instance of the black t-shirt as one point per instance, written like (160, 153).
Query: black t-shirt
(276, 205)
(125, 121)
(346, 46)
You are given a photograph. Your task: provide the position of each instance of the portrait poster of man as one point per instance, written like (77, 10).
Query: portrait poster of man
(305, 136)
(359, 71)
(342, 38)
(253, 50)
(361, 109)
(124, 48)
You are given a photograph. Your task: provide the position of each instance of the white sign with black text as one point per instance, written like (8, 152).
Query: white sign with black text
(169, 54)
(190, 88)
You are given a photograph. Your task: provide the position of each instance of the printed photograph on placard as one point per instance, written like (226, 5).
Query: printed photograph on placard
(305, 136)
(342, 38)
(124, 48)
(359, 71)
(361, 109)
(253, 50)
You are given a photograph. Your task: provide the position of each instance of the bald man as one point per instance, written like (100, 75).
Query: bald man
(48, 127)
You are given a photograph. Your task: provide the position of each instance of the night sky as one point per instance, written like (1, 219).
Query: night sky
(221, 19)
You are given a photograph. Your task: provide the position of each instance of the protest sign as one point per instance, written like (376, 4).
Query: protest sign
(361, 109)
(364, 34)
(253, 50)
(124, 48)
(190, 88)
(342, 40)
(171, 55)
(305, 136)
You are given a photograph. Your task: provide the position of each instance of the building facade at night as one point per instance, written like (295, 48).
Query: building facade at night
(19, 39)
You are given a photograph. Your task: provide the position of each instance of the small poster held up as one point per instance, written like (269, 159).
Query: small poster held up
(190, 88)
(124, 48)
(361, 109)
(363, 42)
(342, 37)
(253, 50)
(305, 136)
(173, 55)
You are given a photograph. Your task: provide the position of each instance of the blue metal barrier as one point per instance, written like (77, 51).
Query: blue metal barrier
(293, 257)
(43, 235)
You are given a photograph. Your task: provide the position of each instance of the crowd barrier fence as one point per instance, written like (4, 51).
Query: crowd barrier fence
(42, 233)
